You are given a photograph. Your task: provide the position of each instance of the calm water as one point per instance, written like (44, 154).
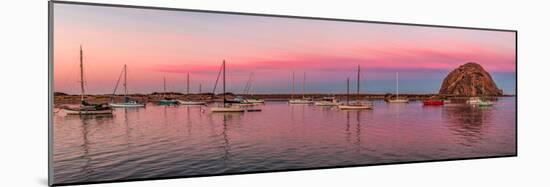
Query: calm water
(159, 141)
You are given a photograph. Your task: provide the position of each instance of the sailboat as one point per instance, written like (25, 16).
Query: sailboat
(304, 100)
(252, 99)
(396, 99)
(166, 100)
(241, 100)
(190, 102)
(127, 102)
(86, 108)
(327, 101)
(357, 105)
(226, 107)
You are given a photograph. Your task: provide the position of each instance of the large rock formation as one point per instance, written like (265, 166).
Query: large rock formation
(469, 79)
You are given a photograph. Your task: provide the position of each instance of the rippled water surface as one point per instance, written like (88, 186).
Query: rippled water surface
(159, 141)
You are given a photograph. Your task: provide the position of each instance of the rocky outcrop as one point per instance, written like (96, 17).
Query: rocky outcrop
(469, 79)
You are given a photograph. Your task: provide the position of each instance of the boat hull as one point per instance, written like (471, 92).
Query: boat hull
(126, 105)
(167, 102)
(255, 101)
(398, 101)
(191, 102)
(227, 109)
(354, 107)
(321, 103)
(69, 111)
(433, 103)
(299, 101)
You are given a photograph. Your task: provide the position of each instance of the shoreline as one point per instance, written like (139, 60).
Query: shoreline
(209, 97)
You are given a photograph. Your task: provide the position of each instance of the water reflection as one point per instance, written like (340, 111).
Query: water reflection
(182, 141)
(357, 129)
(87, 121)
(468, 122)
(229, 120)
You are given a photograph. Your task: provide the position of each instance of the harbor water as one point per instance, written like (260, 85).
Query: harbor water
(179, 141)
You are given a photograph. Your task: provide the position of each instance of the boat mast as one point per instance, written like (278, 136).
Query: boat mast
(397, 84)
(250, 87)
(200, 87)
(82, 90)
(223, 66)
(292, 96)
(358, 79)
(125, 81)
(187, 83)
(164, 86)
(304, 87)
(347, 95)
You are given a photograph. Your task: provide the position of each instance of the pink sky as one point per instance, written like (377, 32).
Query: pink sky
(156, 44)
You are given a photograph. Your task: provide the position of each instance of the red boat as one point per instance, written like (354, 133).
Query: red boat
(433, 102)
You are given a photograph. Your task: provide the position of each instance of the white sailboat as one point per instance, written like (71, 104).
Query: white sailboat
(303, 100)
(357, 105)
(190, 102)
(250, 89)
(86, 108)
(166, 100)
(127, 102)
(327, 101)
(226, 107)
(397, 99)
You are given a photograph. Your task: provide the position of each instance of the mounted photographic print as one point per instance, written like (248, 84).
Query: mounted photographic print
(141, 93)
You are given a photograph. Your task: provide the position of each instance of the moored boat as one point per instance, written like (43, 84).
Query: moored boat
(300, 101)
(227, 109)
(303, 100)
(90, 109)
(357, 105)
(226, 106)
(166, 100)
(86, 108)
(190, 102)
(182, 102)
(397, 99)
(127, 102)
(252, 100)
(327, 101)
(433, 102)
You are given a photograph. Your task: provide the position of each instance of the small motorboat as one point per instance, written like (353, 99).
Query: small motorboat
(432, 102)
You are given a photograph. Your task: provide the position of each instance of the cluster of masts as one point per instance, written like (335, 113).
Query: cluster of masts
(238, 104)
